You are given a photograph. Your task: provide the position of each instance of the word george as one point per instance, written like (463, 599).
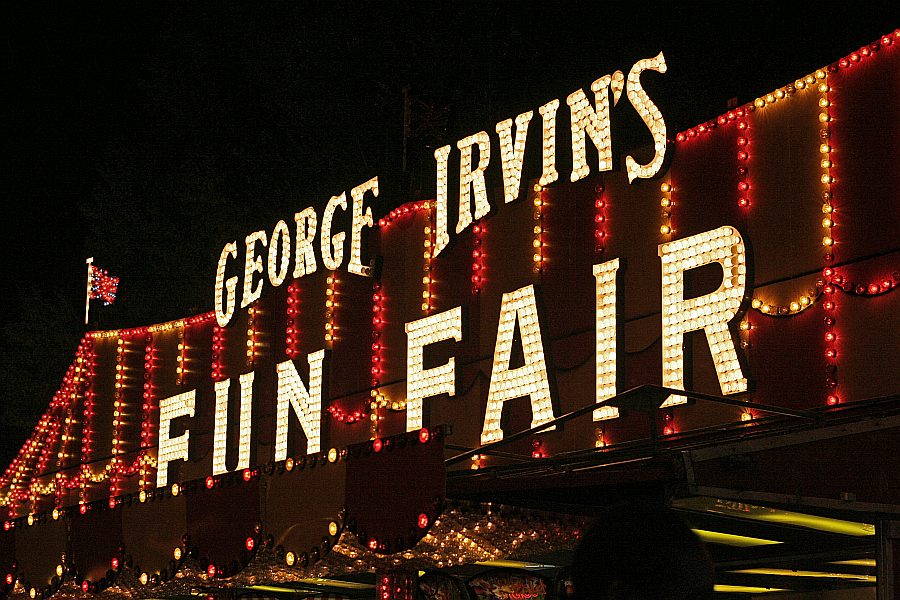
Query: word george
(331, 251)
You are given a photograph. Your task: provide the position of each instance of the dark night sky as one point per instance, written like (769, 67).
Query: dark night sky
(148, 135)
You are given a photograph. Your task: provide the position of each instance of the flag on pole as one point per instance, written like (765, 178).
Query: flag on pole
(100, 286)
(103, 286)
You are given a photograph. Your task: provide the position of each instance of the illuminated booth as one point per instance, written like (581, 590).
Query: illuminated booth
(446, 394)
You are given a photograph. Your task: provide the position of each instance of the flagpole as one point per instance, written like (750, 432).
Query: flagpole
(87, 297)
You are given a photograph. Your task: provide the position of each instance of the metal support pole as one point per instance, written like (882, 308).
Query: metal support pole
(87, 298)
(887, 558)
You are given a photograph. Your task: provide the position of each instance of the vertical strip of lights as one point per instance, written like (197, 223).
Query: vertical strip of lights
(829, 288)
(537, 242)
(77, 389)
(743, 157)
(428, 255)
(218, 346)
(744, 202)
(117, 414)
(666, 202)
(87, 430)
(180, 367)
(148, 401)
(377, 401)
(292, 330)
(69, 392)
(478, 256)
(600, 221)
(71, 420)
(331, 304)
(251, 335)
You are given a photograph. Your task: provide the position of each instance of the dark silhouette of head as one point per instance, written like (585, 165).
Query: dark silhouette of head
(639, 552)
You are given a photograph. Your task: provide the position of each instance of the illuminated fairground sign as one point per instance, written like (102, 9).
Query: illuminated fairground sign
(587, 121)
(340, 346)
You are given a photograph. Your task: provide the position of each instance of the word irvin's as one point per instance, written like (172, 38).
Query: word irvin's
(711, 313)
(587, 120)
